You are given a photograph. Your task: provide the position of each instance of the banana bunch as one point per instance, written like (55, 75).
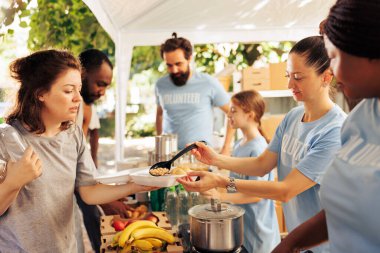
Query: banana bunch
(143, 235)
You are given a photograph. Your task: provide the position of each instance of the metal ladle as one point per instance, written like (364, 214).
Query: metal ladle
(168, 164)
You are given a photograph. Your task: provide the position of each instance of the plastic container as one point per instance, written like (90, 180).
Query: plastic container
(157, 200)
(194, 199)
(183, 205)
(171, 207)
(11, 139)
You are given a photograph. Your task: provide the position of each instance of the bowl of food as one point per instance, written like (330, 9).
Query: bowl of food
(143, 177)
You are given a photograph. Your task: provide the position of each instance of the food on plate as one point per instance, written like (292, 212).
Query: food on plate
(198, 166)
(179, 171)
(159, 171)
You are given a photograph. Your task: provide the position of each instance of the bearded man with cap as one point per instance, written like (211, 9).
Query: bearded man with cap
(351, 186)
(185, 97)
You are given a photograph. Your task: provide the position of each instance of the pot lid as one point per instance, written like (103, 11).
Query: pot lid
(210, 212)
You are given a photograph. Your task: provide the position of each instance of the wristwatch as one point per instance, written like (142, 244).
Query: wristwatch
(231, 187)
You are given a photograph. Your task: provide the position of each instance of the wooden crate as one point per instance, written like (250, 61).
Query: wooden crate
(106, 227)
(175, 248)
(107, 233)
(225, 81)
(163, 221)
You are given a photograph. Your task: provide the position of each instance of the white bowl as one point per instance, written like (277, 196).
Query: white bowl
(144, 178)
(120, 177)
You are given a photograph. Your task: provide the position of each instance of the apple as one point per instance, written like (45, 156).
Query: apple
(119, 225)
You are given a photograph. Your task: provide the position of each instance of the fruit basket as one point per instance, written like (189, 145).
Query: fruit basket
(108, 233)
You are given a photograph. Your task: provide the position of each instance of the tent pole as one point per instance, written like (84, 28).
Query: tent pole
(123, 65)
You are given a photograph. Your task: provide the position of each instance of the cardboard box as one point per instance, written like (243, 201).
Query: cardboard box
(226, 82)
(269, 124)
(255, 78)
(278, 81)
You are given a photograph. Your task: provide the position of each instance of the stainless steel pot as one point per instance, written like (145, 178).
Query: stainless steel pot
(216, 227)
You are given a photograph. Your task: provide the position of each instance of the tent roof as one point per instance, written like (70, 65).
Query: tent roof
(150, 22)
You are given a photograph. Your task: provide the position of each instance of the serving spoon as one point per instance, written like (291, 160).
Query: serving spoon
(168, 164)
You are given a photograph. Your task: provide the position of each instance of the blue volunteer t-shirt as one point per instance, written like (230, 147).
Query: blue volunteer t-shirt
(261, 232)
(188, 109)
(310, 148)
(350, 191)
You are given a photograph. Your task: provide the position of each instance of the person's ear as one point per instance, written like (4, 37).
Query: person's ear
(41, 97)
(252, 115)
(327, 77)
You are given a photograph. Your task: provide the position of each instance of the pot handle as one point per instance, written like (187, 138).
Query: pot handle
(216, 206)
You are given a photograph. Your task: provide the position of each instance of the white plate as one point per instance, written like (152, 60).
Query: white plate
(144, 178)
(120, 177)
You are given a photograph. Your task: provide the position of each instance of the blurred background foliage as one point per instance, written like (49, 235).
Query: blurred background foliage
(69, 24)
(9, 11)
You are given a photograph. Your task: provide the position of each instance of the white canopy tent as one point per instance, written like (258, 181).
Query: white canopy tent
(150, 22)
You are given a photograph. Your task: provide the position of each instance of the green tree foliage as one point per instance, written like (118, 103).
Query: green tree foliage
(8, 13)
(239, 54)
(145, 58)
(206, 55)
(67, 25)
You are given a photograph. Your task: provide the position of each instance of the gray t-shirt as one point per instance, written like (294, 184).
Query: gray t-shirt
(41, 219)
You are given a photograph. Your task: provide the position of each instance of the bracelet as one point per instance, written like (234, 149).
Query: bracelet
(231, 187)
(3, 173)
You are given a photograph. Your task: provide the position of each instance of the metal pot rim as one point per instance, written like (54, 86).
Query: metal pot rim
(201, 212)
